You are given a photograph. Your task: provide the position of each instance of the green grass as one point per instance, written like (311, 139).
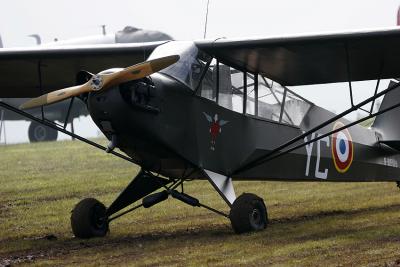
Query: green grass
(312, 224)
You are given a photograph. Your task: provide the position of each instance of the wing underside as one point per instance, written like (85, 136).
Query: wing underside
(314, 59)
(32, 72)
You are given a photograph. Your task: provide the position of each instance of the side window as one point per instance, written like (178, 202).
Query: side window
(278, 103)
(270, 97)
(228, 91)
(225, 95)
(294, 109)
(230, 88)
(251, 94)
(208, 86)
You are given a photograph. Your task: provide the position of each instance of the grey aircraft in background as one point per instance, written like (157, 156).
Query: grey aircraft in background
(38, 132)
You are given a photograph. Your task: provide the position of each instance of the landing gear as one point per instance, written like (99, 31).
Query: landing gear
(248, 213)
(38, 133)
(88, 219)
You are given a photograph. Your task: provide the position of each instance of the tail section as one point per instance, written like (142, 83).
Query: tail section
(388, 124)
(1, 42)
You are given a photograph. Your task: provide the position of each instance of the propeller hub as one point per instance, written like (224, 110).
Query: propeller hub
(96, 82)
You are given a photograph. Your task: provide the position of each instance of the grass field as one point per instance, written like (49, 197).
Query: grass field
(312, 224)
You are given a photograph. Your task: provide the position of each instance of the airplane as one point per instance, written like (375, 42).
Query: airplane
(220, 110)
(38, 132)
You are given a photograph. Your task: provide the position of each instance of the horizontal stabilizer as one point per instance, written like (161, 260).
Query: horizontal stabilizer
(392, 144)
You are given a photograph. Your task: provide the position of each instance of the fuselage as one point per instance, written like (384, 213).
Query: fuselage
(175, 137)
(172, 129)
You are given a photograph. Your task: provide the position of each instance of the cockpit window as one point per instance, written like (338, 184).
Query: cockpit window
(189, 67)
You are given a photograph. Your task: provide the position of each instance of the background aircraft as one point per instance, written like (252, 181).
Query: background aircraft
(57, 112)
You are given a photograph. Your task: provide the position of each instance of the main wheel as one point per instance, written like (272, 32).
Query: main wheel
(39, 133)
(248, 213)
(88, 219)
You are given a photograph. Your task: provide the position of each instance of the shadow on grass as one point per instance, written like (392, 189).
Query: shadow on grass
(41, 248)
(333, 213)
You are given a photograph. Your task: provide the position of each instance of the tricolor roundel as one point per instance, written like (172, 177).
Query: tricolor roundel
(342, 148)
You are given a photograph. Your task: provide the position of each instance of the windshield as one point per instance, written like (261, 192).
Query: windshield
(190, 66)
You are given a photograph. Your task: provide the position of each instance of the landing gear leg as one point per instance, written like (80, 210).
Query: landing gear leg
(90, 218)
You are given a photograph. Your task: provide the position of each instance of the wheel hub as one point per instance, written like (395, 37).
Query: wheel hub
(255, 218)
(98, 217)
(40, 133)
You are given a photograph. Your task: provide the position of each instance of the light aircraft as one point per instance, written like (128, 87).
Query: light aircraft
(221, 111)
(38, 132)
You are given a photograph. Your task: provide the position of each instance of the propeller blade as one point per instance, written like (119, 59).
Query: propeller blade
(103, 81)
(56, 96)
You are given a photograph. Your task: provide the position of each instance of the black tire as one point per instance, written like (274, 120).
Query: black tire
(88, 219)
(38, 133)
(248, 213)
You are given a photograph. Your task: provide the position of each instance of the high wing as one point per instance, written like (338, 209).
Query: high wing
(289, 60)
(30, 72)
(314, 59)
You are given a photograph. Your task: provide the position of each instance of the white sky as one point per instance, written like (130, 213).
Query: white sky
(184, 20)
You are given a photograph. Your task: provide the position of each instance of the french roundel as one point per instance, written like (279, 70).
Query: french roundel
(342, 148)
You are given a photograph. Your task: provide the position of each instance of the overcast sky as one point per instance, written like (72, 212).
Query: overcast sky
(184, 20)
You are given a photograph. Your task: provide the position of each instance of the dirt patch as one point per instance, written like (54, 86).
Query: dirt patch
(68, 246)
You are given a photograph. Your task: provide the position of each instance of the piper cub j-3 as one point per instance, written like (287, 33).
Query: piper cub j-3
(220, 111)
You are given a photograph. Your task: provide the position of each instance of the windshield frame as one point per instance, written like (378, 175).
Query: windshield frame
(190, 67)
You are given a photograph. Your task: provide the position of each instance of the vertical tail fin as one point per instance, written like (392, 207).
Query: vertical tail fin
(37, 38)
(388, 124)
(398, 17)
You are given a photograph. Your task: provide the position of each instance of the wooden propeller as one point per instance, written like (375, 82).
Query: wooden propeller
(103, 81)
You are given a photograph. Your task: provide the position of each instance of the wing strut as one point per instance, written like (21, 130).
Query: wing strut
(40, 85)
(348, 73)
(377, 87)
(277, 152)
(71, 102)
